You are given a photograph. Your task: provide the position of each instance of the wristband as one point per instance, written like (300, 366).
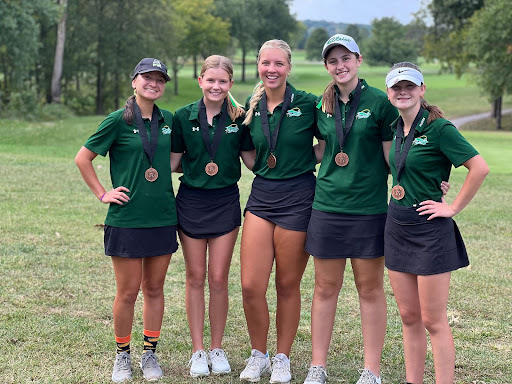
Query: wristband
(102, 196)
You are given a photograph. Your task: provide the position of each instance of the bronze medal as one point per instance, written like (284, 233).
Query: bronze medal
(398, 192)
(211, 169)
(151, 174)
(271, 161)
(341, 159)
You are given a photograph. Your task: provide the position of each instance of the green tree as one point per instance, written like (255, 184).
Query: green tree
(20, 37)
(489, 47)
(59, 54)
(241, 25)
(358, 34)
(445, 39)
(206, 33)
(389, 43)
(315, 43)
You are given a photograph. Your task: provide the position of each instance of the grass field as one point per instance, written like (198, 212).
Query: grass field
(57, 287)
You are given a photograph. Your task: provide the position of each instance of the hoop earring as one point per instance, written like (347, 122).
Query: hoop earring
(134, 92)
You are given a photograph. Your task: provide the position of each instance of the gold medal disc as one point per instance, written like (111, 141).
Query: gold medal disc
(211, 169)
(151, 174)
(271, 161)
(341, 159)
(398, 192)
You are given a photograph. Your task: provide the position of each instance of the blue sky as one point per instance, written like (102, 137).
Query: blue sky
(355, 11)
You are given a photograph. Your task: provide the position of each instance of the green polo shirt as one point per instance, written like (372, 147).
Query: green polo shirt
(187, 138)
(150, 204)
(359, 188)
(435, 148)
(294, 147)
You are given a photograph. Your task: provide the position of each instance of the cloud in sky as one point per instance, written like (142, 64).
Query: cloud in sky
(355, 11)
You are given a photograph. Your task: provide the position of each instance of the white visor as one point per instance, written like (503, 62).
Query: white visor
(404, 73)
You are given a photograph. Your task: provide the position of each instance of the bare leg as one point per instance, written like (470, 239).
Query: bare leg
(405, 288)
(369, 279)
(328, 282)
(128, 274)
(291, 261)
(194, 252)
(220, 251)
(256, 260)
(433, 291)
(154, 270)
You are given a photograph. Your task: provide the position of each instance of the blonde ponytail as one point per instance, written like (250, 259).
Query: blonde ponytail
(253, 102)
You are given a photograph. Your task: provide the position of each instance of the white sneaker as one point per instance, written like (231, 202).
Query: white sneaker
(367, 377)
(280, 369)
(219, 362)
(316, 375)
(256, 367)
(122, 368)
(199, 364)
(151, 370)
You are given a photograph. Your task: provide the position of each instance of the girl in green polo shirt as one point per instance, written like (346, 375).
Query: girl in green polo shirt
(349, 210)
(281, 120)
(140, 228)
(422, 242)
(208, 138)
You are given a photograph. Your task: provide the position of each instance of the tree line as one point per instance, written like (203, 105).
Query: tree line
(80, 52)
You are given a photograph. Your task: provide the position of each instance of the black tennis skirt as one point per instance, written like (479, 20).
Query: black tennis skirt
(285, 202)
(140, 242)
(340, 236)
(415, 245)
(208, 213)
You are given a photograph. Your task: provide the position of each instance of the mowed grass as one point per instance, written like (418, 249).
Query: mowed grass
(57, 287)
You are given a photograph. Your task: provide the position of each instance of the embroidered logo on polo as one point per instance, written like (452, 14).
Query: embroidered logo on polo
(257, 113)
(135, 131)
(329, 115)
(166, 130)
(422, 140)
(195, 129)
(233, 128)
(364, 114)
(294, 112)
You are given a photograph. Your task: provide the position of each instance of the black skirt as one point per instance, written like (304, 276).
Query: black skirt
(140, 242)
(340, 236)
(421, 247)
(208, 213)
(286, 203)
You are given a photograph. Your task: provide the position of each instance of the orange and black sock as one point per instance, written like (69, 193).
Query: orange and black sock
(123, 343)
(150, 340)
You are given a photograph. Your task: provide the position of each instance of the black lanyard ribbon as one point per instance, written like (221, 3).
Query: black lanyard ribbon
(264, 118)
(341, 133)
(401, 153)
(149, 148)
(212, 145)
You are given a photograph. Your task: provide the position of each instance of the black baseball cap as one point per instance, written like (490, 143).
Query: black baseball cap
(149, 65)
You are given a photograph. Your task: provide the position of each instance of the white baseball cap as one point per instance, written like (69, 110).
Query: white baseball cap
(339, 39)
(404, 73)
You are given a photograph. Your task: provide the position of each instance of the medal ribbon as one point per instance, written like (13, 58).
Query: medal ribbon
(401, 153)
(212, 145)
(264, 118)
(341, 133)
(149, 149)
